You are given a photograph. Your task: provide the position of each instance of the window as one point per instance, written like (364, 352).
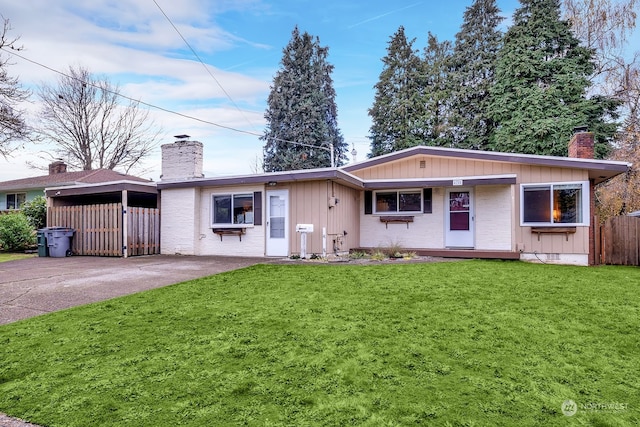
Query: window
(232, 209)
(15, 201)
(555, 204)
(398, 201)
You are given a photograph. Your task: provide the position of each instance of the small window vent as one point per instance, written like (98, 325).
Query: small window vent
(423, 164)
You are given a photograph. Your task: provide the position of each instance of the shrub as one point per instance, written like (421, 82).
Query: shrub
(16, 233)
(36, 212)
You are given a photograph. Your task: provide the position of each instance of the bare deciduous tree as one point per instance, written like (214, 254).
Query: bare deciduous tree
(12, 123)
(83, 115)
(604, 26)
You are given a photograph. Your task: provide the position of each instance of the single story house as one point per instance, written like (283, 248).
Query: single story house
(430, 200)
(14, 193)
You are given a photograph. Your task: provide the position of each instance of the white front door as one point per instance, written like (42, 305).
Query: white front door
(459, 218)
(277, 223)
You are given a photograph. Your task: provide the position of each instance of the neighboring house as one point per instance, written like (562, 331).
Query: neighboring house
(18, 191)
(431, 200)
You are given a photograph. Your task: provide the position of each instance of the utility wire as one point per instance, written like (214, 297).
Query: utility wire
(166, 110)
(203, 64)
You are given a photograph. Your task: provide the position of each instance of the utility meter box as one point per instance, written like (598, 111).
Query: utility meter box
(304, 228)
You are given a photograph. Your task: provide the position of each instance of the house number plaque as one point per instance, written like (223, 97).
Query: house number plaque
(457, 182)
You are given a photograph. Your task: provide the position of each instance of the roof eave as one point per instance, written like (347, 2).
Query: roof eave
(266, 178)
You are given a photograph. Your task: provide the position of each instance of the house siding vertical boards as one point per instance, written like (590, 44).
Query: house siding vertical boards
(252, 243)
(309, 204)
(571, 249)
(180, 218)
(550, 246)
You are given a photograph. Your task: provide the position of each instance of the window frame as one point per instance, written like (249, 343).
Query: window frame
(397, 211)
(233, 223)
(585, 204)
(15, 200)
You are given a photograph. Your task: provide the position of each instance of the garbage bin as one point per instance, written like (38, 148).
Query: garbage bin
(59, 241)
(43, 249)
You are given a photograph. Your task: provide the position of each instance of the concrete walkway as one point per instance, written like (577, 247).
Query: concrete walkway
(34, 286)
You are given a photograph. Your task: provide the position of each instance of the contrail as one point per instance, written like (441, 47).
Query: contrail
(383, 15)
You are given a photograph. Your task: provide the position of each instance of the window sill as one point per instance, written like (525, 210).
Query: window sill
(229, 231)
(396, 219)
(553, 230)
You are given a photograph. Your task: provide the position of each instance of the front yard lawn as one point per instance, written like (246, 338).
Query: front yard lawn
(11, 256)
(470, 343)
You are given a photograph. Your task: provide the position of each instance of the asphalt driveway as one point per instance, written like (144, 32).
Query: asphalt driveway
(34, 286)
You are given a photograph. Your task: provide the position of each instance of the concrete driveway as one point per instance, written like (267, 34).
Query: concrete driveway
(30, 287)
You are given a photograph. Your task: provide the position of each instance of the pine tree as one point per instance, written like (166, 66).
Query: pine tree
(542, 76)
(397, 107)
(301, 110)
(473, 74)
(434, 124)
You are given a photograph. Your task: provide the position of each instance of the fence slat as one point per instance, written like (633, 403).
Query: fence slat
(620, 238)
(99, 229)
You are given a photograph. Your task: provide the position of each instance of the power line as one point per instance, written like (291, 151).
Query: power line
(203, 64)
(166, 110)
(130, 98)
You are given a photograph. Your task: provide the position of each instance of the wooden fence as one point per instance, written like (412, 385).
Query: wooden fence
(618, 241)
(100, 231)
(143, 234)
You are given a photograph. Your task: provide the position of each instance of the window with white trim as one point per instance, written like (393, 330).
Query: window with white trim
(229, 210)
(16, 200)
(556, 204)
(402, 201)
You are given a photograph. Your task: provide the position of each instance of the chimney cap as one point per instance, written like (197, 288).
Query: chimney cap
(582, 128)
(181, 137)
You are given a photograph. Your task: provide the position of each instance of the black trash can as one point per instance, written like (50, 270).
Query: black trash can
(59, 241)
(43, 249)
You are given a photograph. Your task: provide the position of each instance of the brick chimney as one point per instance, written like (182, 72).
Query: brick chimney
(57, 167)
(581, 145)
(182, 159)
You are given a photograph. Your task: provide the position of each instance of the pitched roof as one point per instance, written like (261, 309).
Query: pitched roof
(68, 178)
(599, 170)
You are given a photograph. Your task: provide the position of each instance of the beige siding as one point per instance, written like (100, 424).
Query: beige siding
(309, 204)
(441, 167)
(527, 242)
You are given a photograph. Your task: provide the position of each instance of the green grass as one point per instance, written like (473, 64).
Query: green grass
(475, 343)
(10, 256)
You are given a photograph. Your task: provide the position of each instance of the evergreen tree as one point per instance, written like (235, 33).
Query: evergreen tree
(301, 111)
(397, 107)
(435, 88)
(473, 73)
(542, 75)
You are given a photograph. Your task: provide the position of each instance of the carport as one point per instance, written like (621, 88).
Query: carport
(118, 219)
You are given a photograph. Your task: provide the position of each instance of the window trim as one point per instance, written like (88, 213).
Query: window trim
(586, 203)
(418, 191)
(232, 224)
(15, 197)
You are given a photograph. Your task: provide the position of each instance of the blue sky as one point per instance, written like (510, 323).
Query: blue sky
(241, 41)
